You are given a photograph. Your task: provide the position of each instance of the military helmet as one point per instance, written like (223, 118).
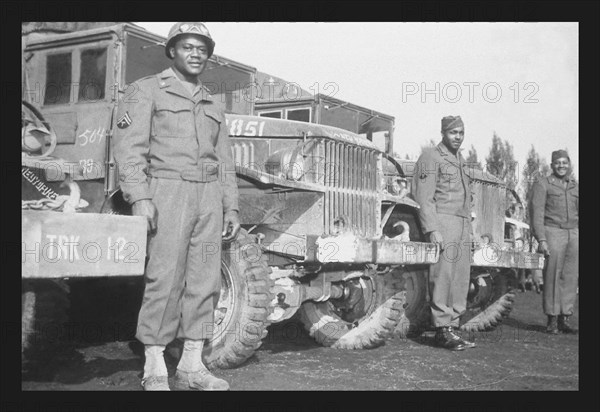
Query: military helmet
(181, 28)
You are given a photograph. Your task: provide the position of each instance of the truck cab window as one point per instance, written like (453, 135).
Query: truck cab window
(300, 115)
(92, 78)
(274, 115)
(58, 79)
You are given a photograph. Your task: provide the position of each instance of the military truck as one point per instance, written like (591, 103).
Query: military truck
(496, 256)
(313, 205)
(325, 235)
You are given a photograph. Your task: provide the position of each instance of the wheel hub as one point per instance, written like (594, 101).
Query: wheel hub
(225, 305)
(357, 300)
(480, 291)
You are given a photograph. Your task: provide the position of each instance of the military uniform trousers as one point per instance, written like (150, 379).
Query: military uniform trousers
(449, 277)
(561, 270)
(183, 275)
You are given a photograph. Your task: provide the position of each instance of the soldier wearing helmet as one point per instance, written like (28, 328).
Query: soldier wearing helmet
(181, 29)
(175, 168)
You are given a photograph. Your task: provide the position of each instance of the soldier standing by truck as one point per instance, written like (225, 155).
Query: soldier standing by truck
(441, 187)
(555, 217)
(175, 168)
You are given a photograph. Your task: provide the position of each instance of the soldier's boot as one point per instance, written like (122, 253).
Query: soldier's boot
(192, 374)
(447, 339)
(552, 326)
(563, 325)
(156, 377)
(467, 343)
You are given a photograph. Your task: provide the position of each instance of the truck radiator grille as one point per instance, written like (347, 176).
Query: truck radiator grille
(348, 172)
(243, 153)
(350, 177)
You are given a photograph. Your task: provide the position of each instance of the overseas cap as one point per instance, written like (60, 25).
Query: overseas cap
(557, 154)
(450, 122)
(197, 28)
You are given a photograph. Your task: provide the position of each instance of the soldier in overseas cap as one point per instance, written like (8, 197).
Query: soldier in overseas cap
(175, 168)
(555, 221)
(441, 187)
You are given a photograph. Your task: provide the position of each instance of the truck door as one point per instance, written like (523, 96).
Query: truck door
(71, 80)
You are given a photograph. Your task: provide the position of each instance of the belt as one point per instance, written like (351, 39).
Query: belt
(562, 225)
(453, 213)
(191, 175)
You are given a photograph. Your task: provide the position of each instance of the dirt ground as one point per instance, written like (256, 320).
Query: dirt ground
(99, 353)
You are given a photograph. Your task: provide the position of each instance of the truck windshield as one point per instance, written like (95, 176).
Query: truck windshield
(92, 79)
(58, 79)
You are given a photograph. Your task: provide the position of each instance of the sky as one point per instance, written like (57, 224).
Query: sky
(519, 80)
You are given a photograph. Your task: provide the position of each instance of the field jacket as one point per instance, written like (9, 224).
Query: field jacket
(441, 186)
(553, 204)
(165, 132)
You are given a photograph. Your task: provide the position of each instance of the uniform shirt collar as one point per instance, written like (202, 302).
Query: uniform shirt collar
(443, 150)
(558, 181)
(168, 76)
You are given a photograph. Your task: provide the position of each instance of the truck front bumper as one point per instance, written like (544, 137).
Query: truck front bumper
(490, 256)
(348, 248)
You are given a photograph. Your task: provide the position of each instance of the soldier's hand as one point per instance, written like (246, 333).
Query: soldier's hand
(231, 226)
(146, 208)
(436, 237)
(543, 248)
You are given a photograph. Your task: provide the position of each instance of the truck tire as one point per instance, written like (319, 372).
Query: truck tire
(416, 316)
(244, 305)
(490, 299)
(27, 316)
(44, 305)
(383, 299)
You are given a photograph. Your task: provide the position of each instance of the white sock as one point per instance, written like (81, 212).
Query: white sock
(155, 361)
(191, 358)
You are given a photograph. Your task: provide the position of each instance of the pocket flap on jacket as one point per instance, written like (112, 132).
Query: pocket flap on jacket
(213, 113)
(174, 106)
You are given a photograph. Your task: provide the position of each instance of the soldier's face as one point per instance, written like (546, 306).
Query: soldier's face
(453, 138)
(561, 166)
(190, 55)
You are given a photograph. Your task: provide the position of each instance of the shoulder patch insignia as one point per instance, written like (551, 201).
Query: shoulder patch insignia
(124, 121)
